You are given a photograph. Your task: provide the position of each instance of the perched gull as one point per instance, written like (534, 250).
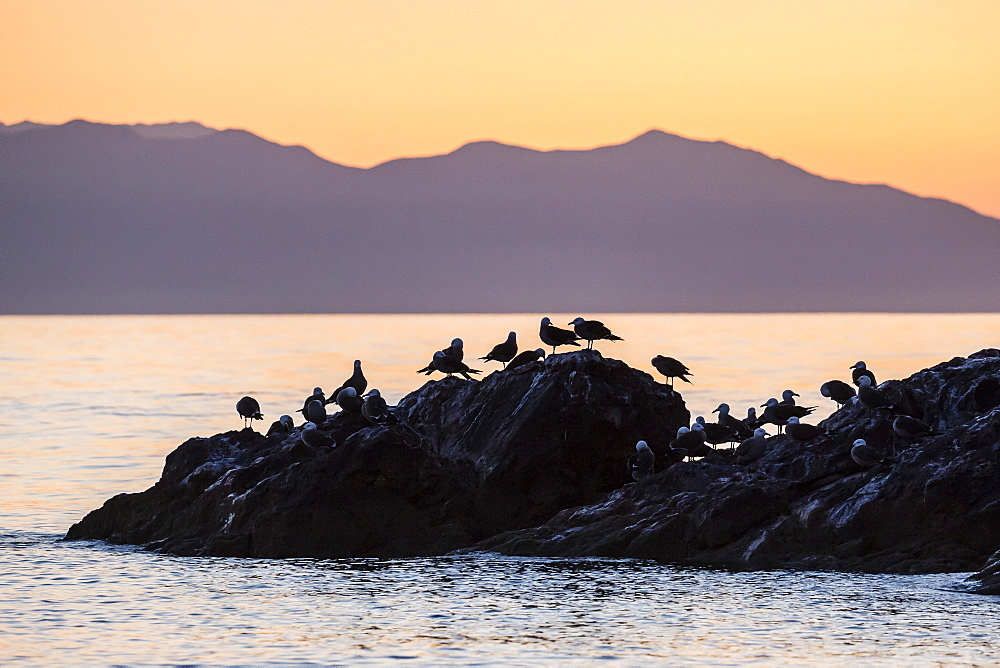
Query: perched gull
(374, 407)
(911, 428)
(753, 448)
(872, 397)
(249, 410)
(788, 398)
(866, 456)
(312, 436)
(861, 370)
(357, 381)
(317, 395)
(691, 441)
(349, 400)
(503, 352)
(554, 336)
(283, 425)
(671, 368)
(593, 330)
(642, 461)
(777, 414)
(837, 390)
(738, 427)
(716, 433)
(315, 411)
(449, 365)
(526, 357)
(455, 351)
(751, 420)
(800, 431)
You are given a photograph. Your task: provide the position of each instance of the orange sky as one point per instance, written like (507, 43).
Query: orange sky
(905, 92)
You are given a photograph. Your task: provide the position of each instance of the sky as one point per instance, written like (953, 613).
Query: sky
(904, 92)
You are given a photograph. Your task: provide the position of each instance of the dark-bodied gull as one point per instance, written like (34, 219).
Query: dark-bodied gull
(716, 433)
(753, 448)
(737, 426)
(526, 357)
(357, 381)
(349, 399)
(315, 411)
(866, 456)
(777, 414)
(374, 407)
(249, 410)
(449, 365)
(861, 370)
(671, 368)
(837, 390)
(800, 431)
(503, 352)
(554, 336)
(642, 461)
(788, 398)
(455, 351)
(872, 397)
(317, 395)
(312, 436)
(911, 428)
(593, 330)
(283, 425)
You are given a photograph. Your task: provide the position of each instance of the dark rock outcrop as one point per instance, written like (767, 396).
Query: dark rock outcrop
(472, 459)
(531, 462)
(935, 507)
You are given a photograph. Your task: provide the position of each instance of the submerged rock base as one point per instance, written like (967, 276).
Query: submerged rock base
(532, 462)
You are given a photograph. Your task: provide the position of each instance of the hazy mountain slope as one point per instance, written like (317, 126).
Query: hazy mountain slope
(100, 219)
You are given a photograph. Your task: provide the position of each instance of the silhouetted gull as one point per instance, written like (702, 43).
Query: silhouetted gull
(688, 440)
(357, 381)
(593, 330)
(753, 448)
(349, 399)
(283, 425)
(751, 419)
(503, 352)
(788, 398)
(737, 426)
(837, 390)
(872, 397)
(374, 407)
(911, 428)
(526, 357)
(249, 410)
(866, 456)
(315, 411)
(312, 436)
(800, 431)
(316, 395)
(861, 370)
(450, 365)
(554, 336)
(777, 414)
(642, 461)
(715, 433)
(671, 368)
(455, 351)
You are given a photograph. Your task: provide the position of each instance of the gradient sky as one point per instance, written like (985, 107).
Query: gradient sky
(905, 92)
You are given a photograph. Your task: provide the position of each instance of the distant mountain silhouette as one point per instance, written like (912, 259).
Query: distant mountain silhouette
(185, 219)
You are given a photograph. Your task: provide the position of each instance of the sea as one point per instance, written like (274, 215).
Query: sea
(91, 405)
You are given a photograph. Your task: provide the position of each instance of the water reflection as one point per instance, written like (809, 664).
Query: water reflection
(144, 607)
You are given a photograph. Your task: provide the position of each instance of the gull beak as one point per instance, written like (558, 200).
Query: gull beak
(716, 410)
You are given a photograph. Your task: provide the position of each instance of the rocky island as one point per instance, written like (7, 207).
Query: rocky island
(532, 461)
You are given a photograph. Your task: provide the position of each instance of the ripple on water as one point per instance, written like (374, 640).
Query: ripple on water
(113, 603)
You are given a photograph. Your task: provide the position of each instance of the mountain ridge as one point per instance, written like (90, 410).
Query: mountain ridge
(100, 219)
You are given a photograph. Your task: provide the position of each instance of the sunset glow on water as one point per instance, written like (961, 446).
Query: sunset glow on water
(90, 406)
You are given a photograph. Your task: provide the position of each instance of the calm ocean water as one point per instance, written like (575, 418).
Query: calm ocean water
(90, 406)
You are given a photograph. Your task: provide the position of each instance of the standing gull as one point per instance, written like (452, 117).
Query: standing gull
(503, 352)
(593, 330)
(777, 414)
(788, 398)
(249, 410)
(455, 351)
(642, 461)
(837, 390)
(671, 368)
(357, 381)
(449, 365)
(800, 431)
(910, 428)
(315, 411)
(738, 427)
(860, 370)
(317, 395)
(349, 400)
(716, 433)
(554, 336)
